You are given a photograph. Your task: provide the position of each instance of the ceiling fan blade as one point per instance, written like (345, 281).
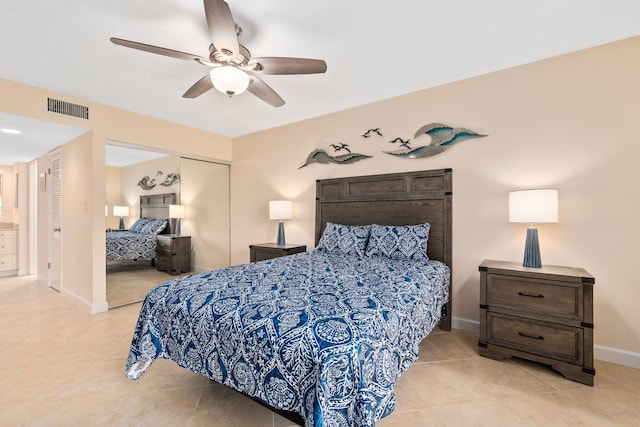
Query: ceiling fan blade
(277, 65)
(221, 26)
(159, 50)
(264, 92)
(199, 87)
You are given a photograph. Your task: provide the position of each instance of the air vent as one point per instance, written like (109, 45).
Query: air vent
(67, 108)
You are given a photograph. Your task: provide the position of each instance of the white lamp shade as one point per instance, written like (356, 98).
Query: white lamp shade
(176, 211)
(229, 79)
(533, 206)
(121, 211)
(280, 209)
(106, 210)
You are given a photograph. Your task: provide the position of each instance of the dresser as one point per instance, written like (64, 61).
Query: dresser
(173, 253)
(539, 314)
(264, 251)
(8, 251)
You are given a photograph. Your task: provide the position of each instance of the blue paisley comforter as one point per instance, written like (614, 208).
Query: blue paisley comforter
(322, 335)
(129, 245)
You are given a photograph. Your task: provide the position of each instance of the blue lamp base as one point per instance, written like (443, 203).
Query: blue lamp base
(532, 249)
(121, 225)
(281, 241)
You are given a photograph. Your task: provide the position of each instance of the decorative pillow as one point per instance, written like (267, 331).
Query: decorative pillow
(137, 226)
(344, 239)
(399, 242)
(154, 226)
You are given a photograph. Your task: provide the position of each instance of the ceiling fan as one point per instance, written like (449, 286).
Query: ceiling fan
(232, 69)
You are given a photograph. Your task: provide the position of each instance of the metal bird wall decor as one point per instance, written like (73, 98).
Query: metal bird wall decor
(321, 156)
(147, 183)
(442, 136)
(371, 132)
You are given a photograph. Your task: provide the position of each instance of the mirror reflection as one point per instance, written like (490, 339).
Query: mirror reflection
(190, 196)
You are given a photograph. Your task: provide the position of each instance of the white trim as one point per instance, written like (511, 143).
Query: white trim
(84, 305)
(606, 354)
(99, 308)
(617, 356)
(465, 324)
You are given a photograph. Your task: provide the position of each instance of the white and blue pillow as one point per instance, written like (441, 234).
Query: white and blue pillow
(399, 242)
(344, 239)
(137, 226)
(154, 226)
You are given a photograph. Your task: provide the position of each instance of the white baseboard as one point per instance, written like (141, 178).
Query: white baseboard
(465, 324)
(606, 354)
(84, 305)
(617, 356)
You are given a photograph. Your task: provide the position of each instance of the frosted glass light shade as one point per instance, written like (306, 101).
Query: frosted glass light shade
(229, 79)
(176, 211)
(280, 209)
(533, 206)
(121, 211)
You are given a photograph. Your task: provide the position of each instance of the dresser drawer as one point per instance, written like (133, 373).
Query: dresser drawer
(163, 260)
(8, 262)
(540, 296)
(8, 246)
(8, 234)
(542, 338)
(164, 244)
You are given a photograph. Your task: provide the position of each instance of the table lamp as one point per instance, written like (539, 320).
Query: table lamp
(121, 211)
(533, 206)
(280, 210)
(177, 212)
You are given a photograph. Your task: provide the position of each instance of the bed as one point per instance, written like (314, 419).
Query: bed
(323, 334)
(140, 242)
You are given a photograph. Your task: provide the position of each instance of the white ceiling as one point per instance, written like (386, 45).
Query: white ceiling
(37, 137)
(374, 50)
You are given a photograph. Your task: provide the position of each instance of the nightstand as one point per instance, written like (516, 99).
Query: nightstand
(271, 250)
(173, 253)
(539, 314)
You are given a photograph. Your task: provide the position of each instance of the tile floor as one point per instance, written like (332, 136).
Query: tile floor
(62, 367)
(129, 281)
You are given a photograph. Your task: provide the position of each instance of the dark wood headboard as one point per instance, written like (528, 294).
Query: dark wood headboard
(157, 206)
(393, 199)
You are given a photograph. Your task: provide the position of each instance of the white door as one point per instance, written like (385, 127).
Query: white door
(33, 217)
(55, 220)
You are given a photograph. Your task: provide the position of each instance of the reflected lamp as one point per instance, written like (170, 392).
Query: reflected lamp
(176, 212)
(121, 211)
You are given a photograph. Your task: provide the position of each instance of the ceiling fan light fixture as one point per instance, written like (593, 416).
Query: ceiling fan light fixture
(229, 79)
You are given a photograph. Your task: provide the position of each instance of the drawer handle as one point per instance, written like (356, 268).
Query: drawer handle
(522, 294)
(535, 337)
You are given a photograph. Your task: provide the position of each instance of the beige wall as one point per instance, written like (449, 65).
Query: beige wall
(130, 192)
(205, 195)
(77, 219)
(569, 123)
(43, 224)
(8, 193)
(113, 196)
(105, 123)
